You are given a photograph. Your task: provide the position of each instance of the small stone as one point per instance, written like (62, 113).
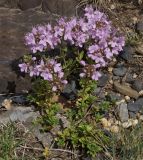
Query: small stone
(103, 80)
(111, 81)
(113, 97)
(118, 123)
(132, 114)
(112, 6)
(123, 112)
(105, 123)
(126, 90)
(133, 107)
(114, 129)
(135, 122)
(141, 117)
(137, 106)
(140, 27)
(120, 71)
(141, 93)
(120, 102)
(110, 69)
(135, 19)
(127, 53)
(135, 75)
(127, 98)
(114, 60)
(137, 85)
(7, 103)
(127, 124)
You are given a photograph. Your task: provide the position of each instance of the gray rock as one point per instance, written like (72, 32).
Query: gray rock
(137, 106)
(60, 7)
(137, 85)
(132, 115)
(126, 90)
(19, 99)
(120, 71)
(113, 97)
(127, 53)
(14, 24)
(97, 91)
(64, 121)
(123, 112)
(139, 26)
(115, 78)
(134, 107)
(45, 138)
(103, 80)
(22, 114)
(129, 78)
(24, 5)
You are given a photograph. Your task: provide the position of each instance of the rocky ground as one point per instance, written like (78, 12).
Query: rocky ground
(121, 82)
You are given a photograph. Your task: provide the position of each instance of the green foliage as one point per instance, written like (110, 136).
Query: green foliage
(84, 133)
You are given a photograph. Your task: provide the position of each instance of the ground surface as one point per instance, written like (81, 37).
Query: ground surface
(121, 82)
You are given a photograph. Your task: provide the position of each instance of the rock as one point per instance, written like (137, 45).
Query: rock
(14, 24)
(24, 5)
(129, 78)
(137, 106)
(123, 112)
(113, 97)
(64, 121)
(134, 107)
(120, 71)
(114, 129)
(127, 53)
(137, 85)
(126, 90)
(45, 138)
(139, 26)
(97, 91)
(60, 7)
(70, 90)
(132, 114)
(19, 99)
(103, 80)
(22, 114)
(7, 103)
(127, 124)
(134, 122)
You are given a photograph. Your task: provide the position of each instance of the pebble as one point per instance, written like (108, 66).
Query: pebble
(135, 122)
(110, 69)
(127, 124)
(135, 75)
(136, 106)
(141, 93)
(120, 71)
(127, 98)
(7, 103)
(105, 123)
(120, 102)
(123, 112)
(126, 90)
(127, 53)
(103, 80)
(141, 117)
(114, 129)
(137, 85)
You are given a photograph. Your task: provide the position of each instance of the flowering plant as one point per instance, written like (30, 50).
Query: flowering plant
(81, 46)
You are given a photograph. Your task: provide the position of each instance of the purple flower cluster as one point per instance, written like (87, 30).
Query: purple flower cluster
(49, 70)
(90, 70)
(93, 33)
